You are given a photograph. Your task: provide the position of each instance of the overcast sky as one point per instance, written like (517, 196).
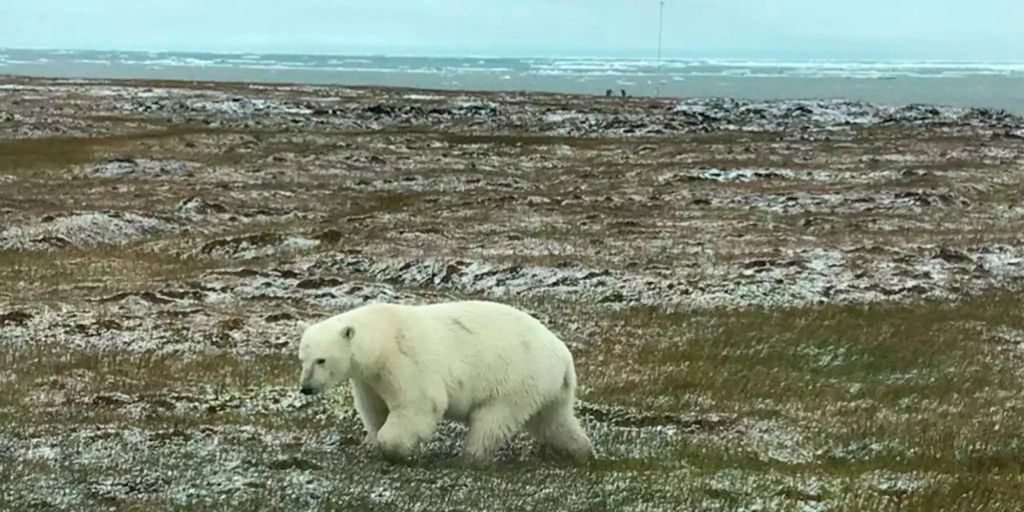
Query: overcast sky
(928, 29)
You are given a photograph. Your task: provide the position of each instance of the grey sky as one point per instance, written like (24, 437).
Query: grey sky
(932, 29)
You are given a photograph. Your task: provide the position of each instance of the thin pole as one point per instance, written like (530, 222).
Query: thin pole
(661, 17)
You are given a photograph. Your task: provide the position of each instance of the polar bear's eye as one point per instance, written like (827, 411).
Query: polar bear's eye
(321, 361)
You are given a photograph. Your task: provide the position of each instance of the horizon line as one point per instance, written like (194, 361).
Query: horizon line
(469, 55)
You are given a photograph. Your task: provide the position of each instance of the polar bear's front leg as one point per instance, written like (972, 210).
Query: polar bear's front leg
(372, 409)
(416, 402)
(404, 430)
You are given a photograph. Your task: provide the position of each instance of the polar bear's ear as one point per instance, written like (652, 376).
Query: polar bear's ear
(348, 333)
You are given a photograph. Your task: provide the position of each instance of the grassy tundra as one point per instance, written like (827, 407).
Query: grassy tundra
(779, 306)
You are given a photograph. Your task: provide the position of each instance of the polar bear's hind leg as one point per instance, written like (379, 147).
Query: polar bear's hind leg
(556, 427)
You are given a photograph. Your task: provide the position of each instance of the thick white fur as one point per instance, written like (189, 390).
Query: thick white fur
(488, 365)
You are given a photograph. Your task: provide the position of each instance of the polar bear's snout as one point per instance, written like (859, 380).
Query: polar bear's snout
(308, 383)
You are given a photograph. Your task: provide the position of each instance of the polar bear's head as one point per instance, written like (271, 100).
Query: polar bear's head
(325, 352)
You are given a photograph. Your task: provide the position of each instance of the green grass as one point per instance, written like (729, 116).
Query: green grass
(914, 390)
(908, 388)
(62, 152)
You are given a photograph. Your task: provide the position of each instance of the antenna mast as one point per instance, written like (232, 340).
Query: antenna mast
(661, 18)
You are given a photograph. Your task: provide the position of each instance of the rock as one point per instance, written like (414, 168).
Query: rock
(255, 246)
(955, 256)
(13, 318)
(278, 317)
(294, 463)
(198, 206)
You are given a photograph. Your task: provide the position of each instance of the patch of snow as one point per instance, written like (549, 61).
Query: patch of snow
(42, 453)
(143, 168)
(894, 483)
(1001, 262)
(257, 246)
(422, 97)
(88, 229)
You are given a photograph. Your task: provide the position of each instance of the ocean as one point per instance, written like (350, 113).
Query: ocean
(998, 85)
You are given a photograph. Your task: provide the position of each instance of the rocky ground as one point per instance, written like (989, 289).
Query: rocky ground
(794, 305)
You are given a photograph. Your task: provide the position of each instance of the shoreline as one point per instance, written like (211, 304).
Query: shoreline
(970, 91)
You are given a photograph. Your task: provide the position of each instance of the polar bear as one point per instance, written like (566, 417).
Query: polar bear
(488, 365)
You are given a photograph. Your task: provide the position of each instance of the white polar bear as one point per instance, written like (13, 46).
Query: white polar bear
(488, 365)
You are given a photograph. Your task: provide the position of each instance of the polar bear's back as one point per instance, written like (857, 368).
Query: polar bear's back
(491, 324)
(488, 350)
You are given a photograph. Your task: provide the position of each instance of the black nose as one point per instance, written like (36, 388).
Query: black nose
(307, 390)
